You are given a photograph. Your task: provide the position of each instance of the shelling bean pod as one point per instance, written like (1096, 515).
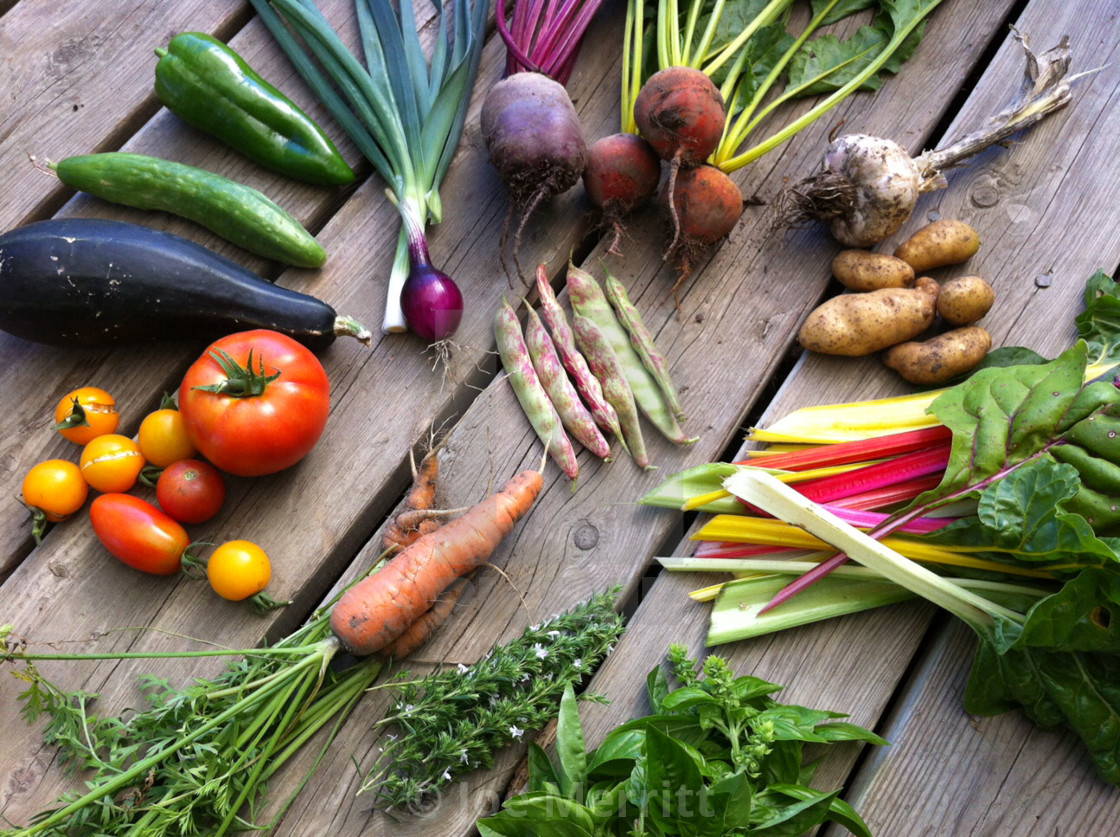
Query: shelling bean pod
(604, 364)
(642, 341)
(564, 341)
(588, 300)
(530, 393)
(573, 415)
(236, 212)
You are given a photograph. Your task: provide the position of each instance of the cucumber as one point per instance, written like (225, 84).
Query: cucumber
(94, 282)
(236, 212)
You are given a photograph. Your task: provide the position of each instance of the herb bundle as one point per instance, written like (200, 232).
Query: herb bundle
(198, 760)
(456, 719)
(717, 756)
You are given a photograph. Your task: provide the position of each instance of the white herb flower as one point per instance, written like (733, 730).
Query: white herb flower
(540, 651)
(515, 732)
(463, 669)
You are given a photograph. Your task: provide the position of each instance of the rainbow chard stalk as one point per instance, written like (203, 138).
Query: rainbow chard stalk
(405, 113)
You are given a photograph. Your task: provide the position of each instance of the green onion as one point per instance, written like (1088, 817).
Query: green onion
(405, 113)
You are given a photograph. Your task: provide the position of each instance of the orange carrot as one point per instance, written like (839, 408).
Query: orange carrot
(425, 627)
(410, 522)
(381, 607)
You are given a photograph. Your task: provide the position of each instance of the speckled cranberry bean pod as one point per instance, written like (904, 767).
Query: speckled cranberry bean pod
(588, 300)
(642, 341)
(529, 391)
(586, 383)
(603, 363)
(573, 415)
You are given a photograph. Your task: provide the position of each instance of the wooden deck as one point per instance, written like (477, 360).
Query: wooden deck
(77, 78)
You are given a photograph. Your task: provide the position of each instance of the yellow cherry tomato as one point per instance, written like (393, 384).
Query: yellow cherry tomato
(163, 438)
(55, 487)
(238, 569)
(111, 463)
(86, 413)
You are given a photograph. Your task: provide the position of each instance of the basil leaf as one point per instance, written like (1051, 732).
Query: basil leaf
(542, 773)
(570, 749)
(673, 780)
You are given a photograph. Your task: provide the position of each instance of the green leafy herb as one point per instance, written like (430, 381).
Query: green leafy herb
(457, 719)
(718, 756)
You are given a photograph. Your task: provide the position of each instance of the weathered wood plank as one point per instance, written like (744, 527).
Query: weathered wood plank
(947, 772)
(383, 400)
(545, 562)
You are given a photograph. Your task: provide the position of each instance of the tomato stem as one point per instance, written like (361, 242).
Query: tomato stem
(241, 381)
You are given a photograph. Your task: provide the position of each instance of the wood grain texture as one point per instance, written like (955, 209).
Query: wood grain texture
(738, 317)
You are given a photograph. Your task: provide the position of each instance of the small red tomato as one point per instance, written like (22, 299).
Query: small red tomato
(255, 403)
(138, 533)
(191, 491)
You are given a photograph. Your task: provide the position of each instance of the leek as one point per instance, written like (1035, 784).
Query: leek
(404, 112)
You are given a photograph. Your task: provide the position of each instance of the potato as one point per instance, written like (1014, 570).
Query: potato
(965, 300)
(862, 270)
(937, 360)
(941, 243)
(860, 324)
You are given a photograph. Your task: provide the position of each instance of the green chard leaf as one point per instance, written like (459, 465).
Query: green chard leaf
(1021, 518)
(1099, 324)
(1000, 418)
(1054, 688)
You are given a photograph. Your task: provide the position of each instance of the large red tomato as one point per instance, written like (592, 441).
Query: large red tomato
(255, 403)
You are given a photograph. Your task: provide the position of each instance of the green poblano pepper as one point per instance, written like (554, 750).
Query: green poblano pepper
(209, 86)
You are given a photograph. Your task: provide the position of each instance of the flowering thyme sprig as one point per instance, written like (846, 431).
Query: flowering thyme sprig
(456, 719)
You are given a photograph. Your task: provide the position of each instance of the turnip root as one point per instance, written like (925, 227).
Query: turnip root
(535, 142)
(868, 187)
(860, 324)
(622, 173)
